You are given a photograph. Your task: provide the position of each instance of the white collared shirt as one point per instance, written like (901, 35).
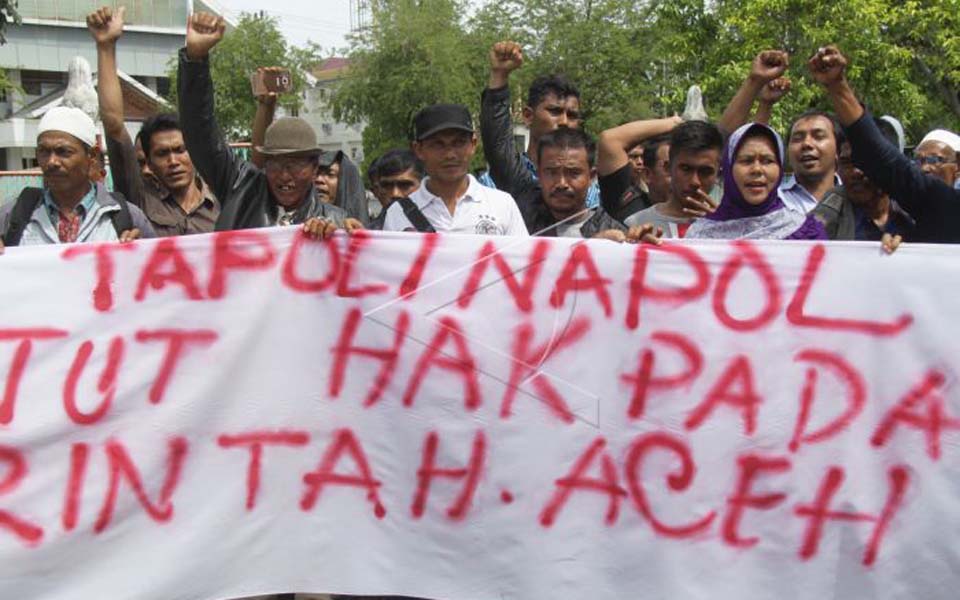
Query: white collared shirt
(481, 211)
(796, 197)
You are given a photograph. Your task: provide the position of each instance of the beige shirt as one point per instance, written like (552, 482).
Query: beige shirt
(169, 219)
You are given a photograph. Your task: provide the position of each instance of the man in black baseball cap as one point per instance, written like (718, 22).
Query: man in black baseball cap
(438, 117)
(451, 199)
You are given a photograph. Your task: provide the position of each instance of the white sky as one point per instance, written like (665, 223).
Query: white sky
(326, 22)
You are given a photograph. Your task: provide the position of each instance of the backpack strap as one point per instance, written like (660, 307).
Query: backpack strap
(415, 215)
(26, 203)
(121, 219)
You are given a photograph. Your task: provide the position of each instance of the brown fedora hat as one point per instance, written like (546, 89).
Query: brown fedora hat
(289, 135)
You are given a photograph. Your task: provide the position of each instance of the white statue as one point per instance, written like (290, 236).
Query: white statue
(80, 90)
(694, 110)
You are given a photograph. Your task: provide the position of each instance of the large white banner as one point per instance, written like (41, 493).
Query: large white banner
(469, 418)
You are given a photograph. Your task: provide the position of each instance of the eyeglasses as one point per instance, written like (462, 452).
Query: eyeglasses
(931, 160)
(289, 165)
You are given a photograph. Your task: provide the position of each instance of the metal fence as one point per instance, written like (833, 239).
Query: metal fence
(11, 182)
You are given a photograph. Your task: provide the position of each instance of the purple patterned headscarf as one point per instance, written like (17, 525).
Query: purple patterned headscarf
(736, 218)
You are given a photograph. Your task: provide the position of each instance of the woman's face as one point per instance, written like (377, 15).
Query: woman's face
(756, 169)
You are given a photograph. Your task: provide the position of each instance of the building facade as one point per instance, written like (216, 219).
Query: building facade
(332, 135)
(53, 32)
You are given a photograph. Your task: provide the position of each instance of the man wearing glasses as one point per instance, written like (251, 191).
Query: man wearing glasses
(282, 192)
(937, 155)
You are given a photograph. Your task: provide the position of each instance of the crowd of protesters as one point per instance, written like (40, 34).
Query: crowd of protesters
(639, 182)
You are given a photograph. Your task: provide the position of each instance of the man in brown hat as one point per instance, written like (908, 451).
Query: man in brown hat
(282, 192)
(166, 187)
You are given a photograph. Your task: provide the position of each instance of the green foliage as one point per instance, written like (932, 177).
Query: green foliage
(414, 54)
(255, 42)
(889, 45)
(635, 59)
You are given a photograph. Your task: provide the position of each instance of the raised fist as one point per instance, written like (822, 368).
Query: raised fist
(828, 66)
(105, 26)
(204, 31)
(769, 65)
(775, 90)
(506, 57)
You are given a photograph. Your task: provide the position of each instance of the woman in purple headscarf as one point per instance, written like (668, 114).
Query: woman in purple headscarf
(751, 207)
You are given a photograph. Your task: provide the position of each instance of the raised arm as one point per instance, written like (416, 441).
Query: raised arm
(614, 144)
(612, 149)
(266, 107)
(921, 195)
(496, 127)
(208, 149)
(771, 93)
(766, 67)
(106, 27)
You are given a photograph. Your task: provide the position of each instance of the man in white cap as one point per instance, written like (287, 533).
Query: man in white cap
(70, 207)
(937, 155)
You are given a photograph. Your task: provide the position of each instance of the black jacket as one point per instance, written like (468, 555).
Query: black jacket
(240, 186)
(934, 205)
(512, 176)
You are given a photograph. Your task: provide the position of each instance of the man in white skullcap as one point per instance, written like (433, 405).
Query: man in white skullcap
(937, 155)
(70, 207)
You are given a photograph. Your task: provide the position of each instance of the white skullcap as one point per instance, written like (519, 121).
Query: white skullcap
(69, 120)
(950, 139)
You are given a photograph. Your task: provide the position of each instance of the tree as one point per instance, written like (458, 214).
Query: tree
(884, 40)
(601, 45)
(414, 53)
(634, 59)
(256, 41)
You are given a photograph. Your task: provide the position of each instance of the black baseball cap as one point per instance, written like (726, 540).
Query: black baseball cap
(438, 117)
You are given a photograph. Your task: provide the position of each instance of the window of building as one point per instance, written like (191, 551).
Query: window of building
(38, 83)
(147, 13)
